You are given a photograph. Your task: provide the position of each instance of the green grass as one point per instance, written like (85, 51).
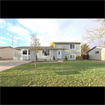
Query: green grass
(70, 73)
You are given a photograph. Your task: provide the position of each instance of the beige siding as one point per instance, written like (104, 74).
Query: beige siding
(93, 55)
(6, 53)
(103, 54)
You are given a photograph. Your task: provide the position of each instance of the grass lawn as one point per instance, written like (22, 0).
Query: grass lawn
(70, 73)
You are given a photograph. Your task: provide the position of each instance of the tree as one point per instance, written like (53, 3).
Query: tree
(35, 46)
(12, 40)
(84, 48)
(95, 33)
(18, 42)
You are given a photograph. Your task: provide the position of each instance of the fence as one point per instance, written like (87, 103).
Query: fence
(85, 56)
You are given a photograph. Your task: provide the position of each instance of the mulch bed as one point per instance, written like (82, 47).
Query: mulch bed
(42, 61)
(96, 60)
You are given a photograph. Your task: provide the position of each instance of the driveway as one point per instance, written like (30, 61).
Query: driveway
(6, 64)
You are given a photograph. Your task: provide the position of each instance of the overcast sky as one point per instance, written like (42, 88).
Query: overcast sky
(47, 30)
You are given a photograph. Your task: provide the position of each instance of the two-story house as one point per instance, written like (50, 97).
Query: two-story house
(57, 49)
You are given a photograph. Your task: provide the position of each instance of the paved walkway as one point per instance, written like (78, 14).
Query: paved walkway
(6, 64)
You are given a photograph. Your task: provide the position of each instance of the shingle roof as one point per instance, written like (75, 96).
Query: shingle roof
(66, 42)
(42, 47)
(5, 47)
(95, 47)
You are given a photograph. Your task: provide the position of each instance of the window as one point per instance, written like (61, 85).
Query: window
(45, 52)
(97, 52)
(72, 56)
(72, 46)
(24, 52)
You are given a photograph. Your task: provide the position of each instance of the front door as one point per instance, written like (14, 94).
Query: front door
(59, 54)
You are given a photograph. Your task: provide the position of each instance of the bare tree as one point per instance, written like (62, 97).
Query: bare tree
(35, 46)
(95, 33)
(18, 42)
(12, 40)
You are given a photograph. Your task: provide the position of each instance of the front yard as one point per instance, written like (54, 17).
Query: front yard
(70, 73)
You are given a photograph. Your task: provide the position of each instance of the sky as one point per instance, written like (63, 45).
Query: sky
(47, 30)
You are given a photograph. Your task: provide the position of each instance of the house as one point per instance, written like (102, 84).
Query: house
(6, 52)
(57, 49)
(97, 53)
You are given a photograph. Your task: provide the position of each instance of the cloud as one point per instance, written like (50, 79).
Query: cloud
(6, 39)
(7, 33)
(2, 21)
(15, 37)
(19, 31)
(2, 42)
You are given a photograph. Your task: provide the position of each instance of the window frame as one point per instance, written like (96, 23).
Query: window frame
(96, 51)
(74, 55)
(44, 54)
(72, 46)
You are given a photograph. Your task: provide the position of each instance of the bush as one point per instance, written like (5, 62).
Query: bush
(78, 57)
(53, 57)
(66, 58)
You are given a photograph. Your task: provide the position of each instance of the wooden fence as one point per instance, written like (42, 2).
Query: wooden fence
(85, 56)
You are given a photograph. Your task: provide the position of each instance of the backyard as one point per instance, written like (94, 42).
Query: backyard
(69, 73)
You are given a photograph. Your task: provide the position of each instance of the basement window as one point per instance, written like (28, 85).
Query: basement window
(97, 52)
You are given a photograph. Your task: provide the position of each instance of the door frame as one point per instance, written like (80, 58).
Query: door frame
(60, 54)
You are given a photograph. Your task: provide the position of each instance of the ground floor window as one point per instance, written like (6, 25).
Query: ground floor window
(72, 56)
(45, 52)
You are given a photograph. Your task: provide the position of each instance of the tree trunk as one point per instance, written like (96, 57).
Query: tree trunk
(35, 60)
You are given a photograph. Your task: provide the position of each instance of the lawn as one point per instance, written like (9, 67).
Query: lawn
(70, 73)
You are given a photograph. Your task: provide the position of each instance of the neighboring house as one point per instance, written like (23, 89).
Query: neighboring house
(97, 53)
(6, 52)
(59, 50)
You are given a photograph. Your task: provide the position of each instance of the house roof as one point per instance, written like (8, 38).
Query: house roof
(42, 47)
(95, 47)
(5, 47)
(66, 42)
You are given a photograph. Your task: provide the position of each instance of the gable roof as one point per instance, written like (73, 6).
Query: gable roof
(66, 42)
(95, 47)
(5, 47)
(42, 47)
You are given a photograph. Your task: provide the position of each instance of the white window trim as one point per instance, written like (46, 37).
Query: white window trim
(47, 55)
(74, 47)
(23, 54)
(74, 55)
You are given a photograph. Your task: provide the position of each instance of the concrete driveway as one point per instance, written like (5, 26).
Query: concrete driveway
(6, 64)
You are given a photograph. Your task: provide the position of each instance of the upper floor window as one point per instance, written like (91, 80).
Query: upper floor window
(45, 52)
(72, 46)
(97, 52)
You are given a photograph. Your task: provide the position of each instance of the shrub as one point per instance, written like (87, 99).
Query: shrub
(66, 58)
(53, 57)
(78, 57)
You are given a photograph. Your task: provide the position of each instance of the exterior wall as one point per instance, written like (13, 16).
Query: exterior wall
(68, 51)
(42, 57)
(103, 54)
(93, 55)
(17, 55)
(6, 53)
